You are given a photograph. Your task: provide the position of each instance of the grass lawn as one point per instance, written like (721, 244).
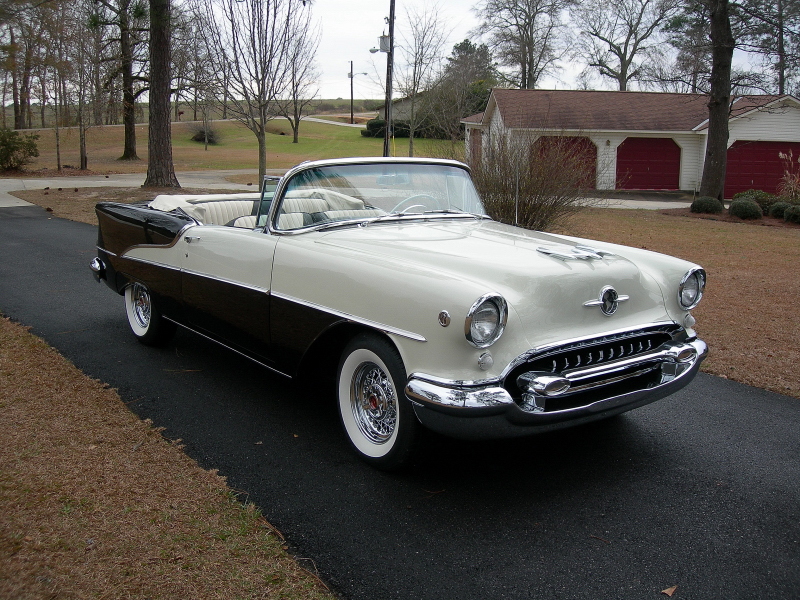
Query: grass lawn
(237, 148)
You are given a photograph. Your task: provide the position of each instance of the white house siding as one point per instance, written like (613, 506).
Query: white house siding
(775, 124)
(607, 143)
(692, 155)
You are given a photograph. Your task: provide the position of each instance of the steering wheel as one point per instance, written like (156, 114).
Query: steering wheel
(414, 198)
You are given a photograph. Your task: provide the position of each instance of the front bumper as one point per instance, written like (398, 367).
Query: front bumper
(488, 411)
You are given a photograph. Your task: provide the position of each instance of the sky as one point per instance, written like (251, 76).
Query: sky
(351, 27)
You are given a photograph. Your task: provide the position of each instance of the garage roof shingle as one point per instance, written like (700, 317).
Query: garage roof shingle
(604, 110)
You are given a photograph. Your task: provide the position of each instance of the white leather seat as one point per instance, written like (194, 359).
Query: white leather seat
(246, 222)
(290, 221)
(223, 212)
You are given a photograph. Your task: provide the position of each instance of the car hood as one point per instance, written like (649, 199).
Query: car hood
(547, 293)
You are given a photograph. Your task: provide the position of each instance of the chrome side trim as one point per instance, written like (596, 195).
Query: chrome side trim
(255, 360)
(374, 324)
(150, 262)
(101, 249)
(254, 288)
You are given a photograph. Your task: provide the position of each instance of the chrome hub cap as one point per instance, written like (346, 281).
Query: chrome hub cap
(374, 403)
(141, 305)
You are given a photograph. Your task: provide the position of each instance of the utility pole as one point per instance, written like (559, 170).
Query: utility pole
(389, 68)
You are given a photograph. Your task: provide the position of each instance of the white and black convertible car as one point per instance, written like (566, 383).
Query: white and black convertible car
(430, 312)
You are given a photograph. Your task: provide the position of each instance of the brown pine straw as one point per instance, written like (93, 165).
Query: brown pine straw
(95, 503)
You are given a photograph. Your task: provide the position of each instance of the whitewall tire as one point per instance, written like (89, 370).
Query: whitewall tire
(377, 417)
(144, 318)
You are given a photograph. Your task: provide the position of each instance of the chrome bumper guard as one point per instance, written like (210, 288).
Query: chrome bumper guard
(98, 269)
(487, 410)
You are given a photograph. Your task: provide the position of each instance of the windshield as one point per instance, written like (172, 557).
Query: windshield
(361, 192)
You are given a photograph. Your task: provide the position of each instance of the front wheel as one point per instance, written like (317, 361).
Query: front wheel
(144, 318)
(377, 417)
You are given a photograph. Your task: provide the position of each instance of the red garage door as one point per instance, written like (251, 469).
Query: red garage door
(648, 164)
(756, 165)
(581, 148)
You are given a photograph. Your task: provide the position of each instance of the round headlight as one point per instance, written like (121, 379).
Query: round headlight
(486, 320)
(691, 288)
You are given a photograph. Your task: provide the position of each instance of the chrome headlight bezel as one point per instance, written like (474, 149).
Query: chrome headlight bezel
(501, 307)
(699, 275)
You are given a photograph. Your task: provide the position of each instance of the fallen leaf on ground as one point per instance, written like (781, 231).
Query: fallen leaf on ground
(669, 591)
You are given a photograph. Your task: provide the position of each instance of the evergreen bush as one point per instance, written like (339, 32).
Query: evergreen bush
(707, 204)
(745, 208)
(778, 209)
(792, 214)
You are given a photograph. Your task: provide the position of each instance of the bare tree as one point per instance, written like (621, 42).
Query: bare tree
(771, 28)
(160, 169)
(422, 49)
(302, 81)
(618, 37)
(719, 101)
(127, 17)
(524, 35)
(250, 42)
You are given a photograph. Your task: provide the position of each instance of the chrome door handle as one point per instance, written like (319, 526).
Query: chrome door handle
(189, 239)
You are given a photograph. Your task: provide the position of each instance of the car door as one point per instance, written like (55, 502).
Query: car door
(226, 278)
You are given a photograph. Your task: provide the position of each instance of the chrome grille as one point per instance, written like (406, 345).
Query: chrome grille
(590, 353)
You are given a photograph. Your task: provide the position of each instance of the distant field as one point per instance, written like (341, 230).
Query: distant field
(238, 147)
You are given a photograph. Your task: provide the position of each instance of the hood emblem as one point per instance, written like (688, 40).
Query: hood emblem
(579, 252)
(608, 301)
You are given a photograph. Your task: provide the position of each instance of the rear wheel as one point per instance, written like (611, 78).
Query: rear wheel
(377, 417)
(144, 318)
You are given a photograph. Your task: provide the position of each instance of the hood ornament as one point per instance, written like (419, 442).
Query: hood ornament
(578, 252)
(608, 301)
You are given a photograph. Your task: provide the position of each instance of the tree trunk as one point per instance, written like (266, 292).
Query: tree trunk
(160, 168)
(12, 60)
(722, 44)
(128, 106)
(262, 151)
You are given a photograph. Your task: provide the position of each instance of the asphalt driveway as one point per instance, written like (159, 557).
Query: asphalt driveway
(700, 490)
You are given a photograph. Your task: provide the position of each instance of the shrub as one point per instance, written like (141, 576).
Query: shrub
(744, 208)
(532, 185)
(745, 194)
(707, 204)
(765, 200)
(15, 149)
(199, 134)
(760, 197)
(376, 128)
(778, 209)
(792, 214)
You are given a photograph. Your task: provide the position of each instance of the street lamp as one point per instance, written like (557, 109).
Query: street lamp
(387, 46)
(351, 76)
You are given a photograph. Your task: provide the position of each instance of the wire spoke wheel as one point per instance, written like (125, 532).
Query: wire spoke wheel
(376, 415)
(374, 403)
(144, 317)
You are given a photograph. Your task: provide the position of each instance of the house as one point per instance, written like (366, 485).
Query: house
(648, 140)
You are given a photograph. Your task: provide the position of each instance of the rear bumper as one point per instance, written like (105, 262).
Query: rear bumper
(489, 411)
